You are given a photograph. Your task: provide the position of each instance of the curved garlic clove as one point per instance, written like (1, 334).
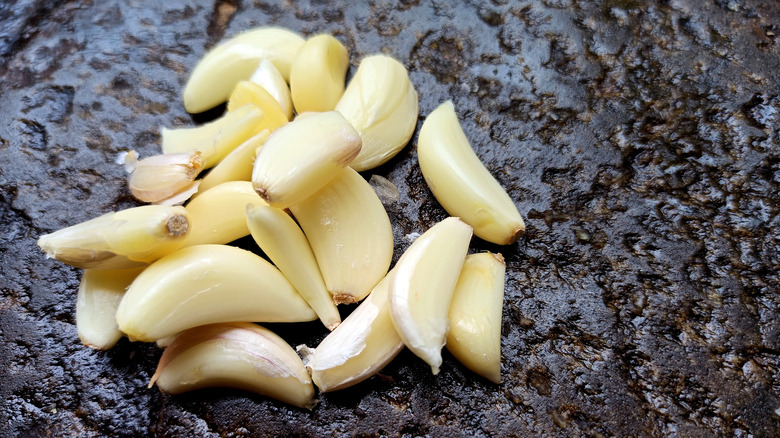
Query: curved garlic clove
(475, 315)
(381, 103)
(161, 176)
(268, 77)
(216, 139)
(123, 239)
(213, 79)
(246, 93)
(364, 343)
(350, 233)
(237, 165)
(206, 284)
(422, 286)
(235, 355)
(318, 73)
(100, 292)
(182, 195)
(280, 238)
(303, 156)
(461, 183)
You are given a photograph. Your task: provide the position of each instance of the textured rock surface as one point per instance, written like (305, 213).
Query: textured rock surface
(640, 139)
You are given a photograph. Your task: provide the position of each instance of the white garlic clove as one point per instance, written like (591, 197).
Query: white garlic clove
(318, 73)
(268, 77)
(161, 176)
(237, 165)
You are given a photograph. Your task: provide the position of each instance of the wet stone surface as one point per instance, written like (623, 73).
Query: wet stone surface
(639, 139)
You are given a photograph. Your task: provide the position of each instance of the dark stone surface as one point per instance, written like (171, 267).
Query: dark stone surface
(640, 139)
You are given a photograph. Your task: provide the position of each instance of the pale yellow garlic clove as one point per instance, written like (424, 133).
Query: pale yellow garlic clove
(364, 343)
(215, 140)
(247, 92)
(318, 73)
(237, 166)
(422, 286)
(381, 103)
(268, 77)
(100, 292)
(161, 176)
(350, 233)
(206, 284)
(235, 355)
(280, 238)
(218, 72)
(123, 239)
(475, 315)
(461, 183)
(303, 156)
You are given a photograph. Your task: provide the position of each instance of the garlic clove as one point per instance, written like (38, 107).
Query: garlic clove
(422, 286)
(235, 355)
(461, 183)
(247, 92)
(318, 73)
(269, 78)
(161, 176)
(237, 165)
(182, 195)
(206, 284)
(474, 337)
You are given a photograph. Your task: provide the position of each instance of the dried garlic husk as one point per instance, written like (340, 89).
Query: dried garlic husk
(161, 176)
(318, 73)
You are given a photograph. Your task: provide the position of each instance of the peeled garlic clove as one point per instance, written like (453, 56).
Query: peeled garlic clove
(247, 92)
(268, 77)
(215, 140)
(381, 103)
(350, 233)
(461, 183)
(475, 315)
(364, 343)
(123, 239)
(235, 355)
(303, 156)
(318, 73)
(280, 238)
(218, 215)
(215, 76)
(100, 292)
(161, 176)
(237, 165)
(422, 285)
(207, 284)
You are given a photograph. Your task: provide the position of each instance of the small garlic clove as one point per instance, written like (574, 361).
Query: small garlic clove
(350, 233)
(235, 355)
(123, 239)
(237, 165)
(247, 92)
(381, 103)
(182, 195)
(461, 183)
(318, 73)
(215, 140)
(268, 77)
(161, 176)
(206, 284)
(303, 156)
(422, 286)
(475, 315)
(215, 76)
(100, 292)
(364, 343)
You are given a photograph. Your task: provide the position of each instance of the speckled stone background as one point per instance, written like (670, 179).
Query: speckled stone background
(640, 139)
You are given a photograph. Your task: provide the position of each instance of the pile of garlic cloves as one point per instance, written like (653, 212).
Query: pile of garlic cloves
(282, 166)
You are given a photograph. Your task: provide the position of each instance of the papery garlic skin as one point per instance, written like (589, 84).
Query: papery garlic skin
(235, 355)
(161, 176)
(422, 286)
(268, 77)
(207, 284)
(461, 183)
(474, 337)
(218, 215)
(123, 239)
(318, 74)
(350, 233)
(237, 165)
(381, 103)
(234, 60)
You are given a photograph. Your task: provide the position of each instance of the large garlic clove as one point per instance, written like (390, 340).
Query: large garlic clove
(350, 233)
(475, 315)
(235, 355)
(237, 165)
(207, 284)
(247, 92)
(461, 183)
(215, 140)
(100, 292)
(318, 73)
(213, 79)
(280, 238)
(364, 343)
(381, 103)
(268, 77)
(123, 239)
(303, 156)
(422, 285)
(161, 176)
